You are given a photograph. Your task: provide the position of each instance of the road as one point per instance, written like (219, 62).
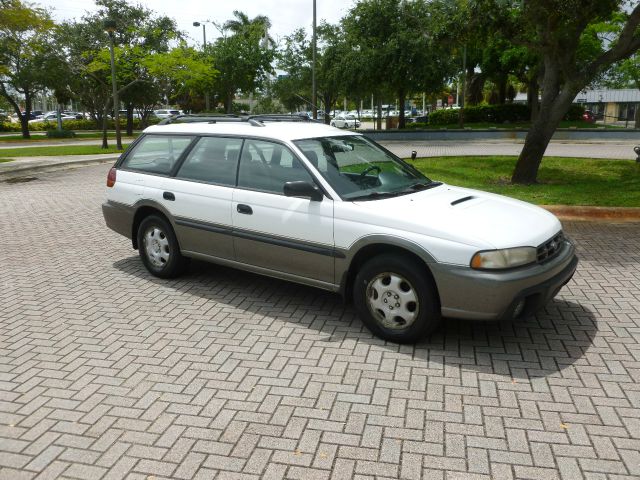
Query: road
(107, 372)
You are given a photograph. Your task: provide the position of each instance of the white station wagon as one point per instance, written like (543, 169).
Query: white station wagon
(308, 203)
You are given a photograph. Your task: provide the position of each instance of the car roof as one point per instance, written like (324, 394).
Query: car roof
(284, 131)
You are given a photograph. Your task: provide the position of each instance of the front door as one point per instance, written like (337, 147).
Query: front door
(275, 232)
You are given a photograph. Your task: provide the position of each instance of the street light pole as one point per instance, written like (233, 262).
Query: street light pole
(110, 27)
(314, 90)
(204, 49)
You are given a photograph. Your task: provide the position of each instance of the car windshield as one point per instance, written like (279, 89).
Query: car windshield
(358, 169)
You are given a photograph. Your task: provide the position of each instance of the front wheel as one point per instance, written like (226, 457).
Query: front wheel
(396, 299)
(159, 249)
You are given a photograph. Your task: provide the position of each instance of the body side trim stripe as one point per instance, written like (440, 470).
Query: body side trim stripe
(261, 237)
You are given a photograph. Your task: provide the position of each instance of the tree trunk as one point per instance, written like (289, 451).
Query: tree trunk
(59, 116)
(401, 100)
(379, 119)
(24, 118)
(553, 107)
(105, 119)
(229, 102)
(502, 90)
(533, 90)
(129, 119)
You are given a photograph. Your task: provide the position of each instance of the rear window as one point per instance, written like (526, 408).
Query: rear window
(157, 153)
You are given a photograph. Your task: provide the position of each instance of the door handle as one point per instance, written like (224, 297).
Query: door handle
(245, 209)
(168, 196)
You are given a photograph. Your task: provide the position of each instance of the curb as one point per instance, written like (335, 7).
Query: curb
(20, 171)
(594, 214)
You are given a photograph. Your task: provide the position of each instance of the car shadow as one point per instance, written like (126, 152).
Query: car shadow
(540, 345)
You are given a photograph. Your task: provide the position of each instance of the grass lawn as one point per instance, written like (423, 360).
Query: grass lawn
(6, 160)
(55, 151)
(562, 181)
(37, 137)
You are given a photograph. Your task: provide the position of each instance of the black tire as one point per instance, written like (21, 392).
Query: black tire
(396, 320)
(167, 247)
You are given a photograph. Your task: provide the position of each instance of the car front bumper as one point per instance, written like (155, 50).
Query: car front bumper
(494, 295)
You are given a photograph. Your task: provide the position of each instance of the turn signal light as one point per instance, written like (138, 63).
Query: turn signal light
(111, 177)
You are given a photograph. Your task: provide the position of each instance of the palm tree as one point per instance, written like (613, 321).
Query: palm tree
(242, 23)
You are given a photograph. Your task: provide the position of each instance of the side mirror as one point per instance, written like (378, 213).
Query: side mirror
(414, 154)
(303, 189)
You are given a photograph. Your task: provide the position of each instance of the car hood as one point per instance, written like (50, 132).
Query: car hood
(467, 216)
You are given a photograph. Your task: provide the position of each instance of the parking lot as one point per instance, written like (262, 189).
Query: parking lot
(108, 372)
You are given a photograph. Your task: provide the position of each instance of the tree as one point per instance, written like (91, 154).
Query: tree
(571, 54)
(138, 35)
(243, 58)
(25, 48)
(181, 73)
(397, 39)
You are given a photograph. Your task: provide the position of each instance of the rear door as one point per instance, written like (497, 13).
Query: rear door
(199, 197)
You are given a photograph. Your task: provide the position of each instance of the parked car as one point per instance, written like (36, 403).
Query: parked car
(165, 113)
(305, 202)
(418, 119)
(76, 115)
(589, 116)
(345, 120)
(52, 117)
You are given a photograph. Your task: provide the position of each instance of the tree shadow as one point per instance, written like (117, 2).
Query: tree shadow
(541, 345)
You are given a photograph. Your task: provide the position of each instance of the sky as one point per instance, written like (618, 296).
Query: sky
(285, 15)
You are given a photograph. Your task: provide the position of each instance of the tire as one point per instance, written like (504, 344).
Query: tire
(333, 124)
(159, 249)
(396, 299)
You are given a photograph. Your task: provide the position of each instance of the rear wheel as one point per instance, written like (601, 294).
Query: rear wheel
(159, 249)
(396, 299)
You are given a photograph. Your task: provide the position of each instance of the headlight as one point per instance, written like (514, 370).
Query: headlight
(507, 258)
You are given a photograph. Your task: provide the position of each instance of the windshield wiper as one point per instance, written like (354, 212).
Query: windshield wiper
(425, 186)
(377, 195)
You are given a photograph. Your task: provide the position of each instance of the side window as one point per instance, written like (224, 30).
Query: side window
(157, 153)
(268, 166)
(213, 160)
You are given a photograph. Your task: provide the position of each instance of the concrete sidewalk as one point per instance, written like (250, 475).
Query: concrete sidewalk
(27, 165)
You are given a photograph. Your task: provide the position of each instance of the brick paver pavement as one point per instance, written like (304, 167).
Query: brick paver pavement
(107, 372)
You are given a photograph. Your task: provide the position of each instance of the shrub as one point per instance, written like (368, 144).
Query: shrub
(10, 127)
(416, 125)
(508, 113)
(60, 134)
(444, 117)
(575, 112)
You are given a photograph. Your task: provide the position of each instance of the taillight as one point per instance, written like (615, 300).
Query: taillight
(111, 177)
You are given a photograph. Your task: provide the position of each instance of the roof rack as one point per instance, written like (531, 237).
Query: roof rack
(254, 120)
(277, 117)
(191, 118)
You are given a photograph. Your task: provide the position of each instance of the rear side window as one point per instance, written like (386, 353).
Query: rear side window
(157, 153)
(213, 160)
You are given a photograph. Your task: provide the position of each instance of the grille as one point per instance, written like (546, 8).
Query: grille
(550, 248)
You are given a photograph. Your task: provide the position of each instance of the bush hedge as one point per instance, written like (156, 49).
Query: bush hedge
(60, 134)
(508, 113)
(73, 125)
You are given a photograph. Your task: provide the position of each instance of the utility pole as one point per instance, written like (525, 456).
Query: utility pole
(110, 27)
(204, 49)
(314, 90)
